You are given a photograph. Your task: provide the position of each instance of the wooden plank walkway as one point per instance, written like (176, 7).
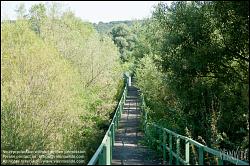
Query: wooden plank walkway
(127, 149)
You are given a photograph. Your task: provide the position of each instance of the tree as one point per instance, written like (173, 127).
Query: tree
(21, 11)
(58, 68)
(202, 49)
(124, 40)
(37, 15)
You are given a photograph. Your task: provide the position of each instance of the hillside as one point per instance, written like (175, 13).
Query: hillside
(104, 28)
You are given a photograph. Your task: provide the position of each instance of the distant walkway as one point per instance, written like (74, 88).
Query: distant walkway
(127, 149)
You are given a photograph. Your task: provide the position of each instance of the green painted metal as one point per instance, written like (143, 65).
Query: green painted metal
(178, 150)
(117, 119)
(164, 148)
(103, 155)
(220, 161)
(201, 156)
(170, 149)
(111, 142)
(113, 133)
(120, 112)
(108, 150)
(188, 141)
(118, 116)
(201, 148)
(101, 159)
(187, 147)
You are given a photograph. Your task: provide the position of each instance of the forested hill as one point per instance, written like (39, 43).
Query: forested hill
(102, 27)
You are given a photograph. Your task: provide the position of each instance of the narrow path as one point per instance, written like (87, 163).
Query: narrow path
(127, 149)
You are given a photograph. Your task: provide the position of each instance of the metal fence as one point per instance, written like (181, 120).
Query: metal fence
(103, 155)
(165, 141)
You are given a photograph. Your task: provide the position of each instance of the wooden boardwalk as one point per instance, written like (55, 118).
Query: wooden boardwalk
(127, 149)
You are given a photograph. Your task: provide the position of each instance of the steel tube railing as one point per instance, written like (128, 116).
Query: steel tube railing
(188, 142)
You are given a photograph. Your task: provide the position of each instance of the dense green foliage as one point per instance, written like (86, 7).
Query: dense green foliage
(192, 65)
(105, 28)
(124, 35)
(124, 39)
(60, 77)
(59, 82)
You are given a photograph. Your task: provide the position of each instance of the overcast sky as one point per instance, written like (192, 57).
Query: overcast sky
(93, 11)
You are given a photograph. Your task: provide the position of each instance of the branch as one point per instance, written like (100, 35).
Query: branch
(235, 53)
(93, 78)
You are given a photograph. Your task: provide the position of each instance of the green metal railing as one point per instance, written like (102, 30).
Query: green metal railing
(168, 141)
(103, 155)
(167, 145)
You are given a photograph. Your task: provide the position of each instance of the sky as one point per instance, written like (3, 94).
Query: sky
(92, 11)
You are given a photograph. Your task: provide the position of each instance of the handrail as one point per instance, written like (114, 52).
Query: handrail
(103, 155)
(220, 156)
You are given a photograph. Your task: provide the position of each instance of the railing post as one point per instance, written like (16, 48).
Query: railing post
(121, 109)
(104, 154)
(170, 149)
(126, 90)
(110, 140)
(220, 161)
(178, 150)
(187, 150)
(101, 158)
(122, 102)
(108, 150)
(201, 155)
(164, 148)
(115, 122)
(129, 80)
(113, 133)
(118, 115)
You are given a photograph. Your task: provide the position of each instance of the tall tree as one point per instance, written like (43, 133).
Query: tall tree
(37, 15)
(124, 39)
(203, 50)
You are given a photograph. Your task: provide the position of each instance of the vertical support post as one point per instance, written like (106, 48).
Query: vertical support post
(110, 139)
(170, 149)
(201, 155)
(187, 150)
(158, 143)
(178, 150)
(121, 109)
(101, 158)
(118, 115)
(220, 160)
(113, 133)
(104, 154)
(164, 148)
(122, 101)
(129, 80)
(115, 122)
(126, 89)
(108, 150)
